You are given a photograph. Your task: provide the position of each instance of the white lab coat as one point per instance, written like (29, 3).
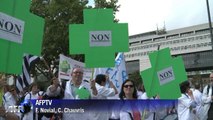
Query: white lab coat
(206, 98)
(103, 93)
(185, 106)
(199, 104)
(125, 115)
(9, 100)
(6, 100)
(126, 112)
(149, 112)
(30, 96)
(68, 95)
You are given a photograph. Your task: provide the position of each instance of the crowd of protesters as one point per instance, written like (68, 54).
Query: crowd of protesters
(192, 105)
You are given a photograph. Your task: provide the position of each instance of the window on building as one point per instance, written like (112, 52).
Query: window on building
(202, 31)
(186, 34)
(172, 36)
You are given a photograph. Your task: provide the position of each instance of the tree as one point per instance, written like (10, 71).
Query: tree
(58, 15)
(135, 76)
(108, 4)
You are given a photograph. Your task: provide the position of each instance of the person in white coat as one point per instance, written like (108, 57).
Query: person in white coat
(10, 98)
(149, 112)
(198, 99)
(34, 94)
(6, 96)
(103, 93)
(207, 97)
(186, 102)
(70, 93)
(129, 92)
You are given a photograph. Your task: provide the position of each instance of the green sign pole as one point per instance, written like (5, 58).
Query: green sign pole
(99, 38)
(20, 32)
(165, 75)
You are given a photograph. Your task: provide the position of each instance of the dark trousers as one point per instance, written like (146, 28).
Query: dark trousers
(210, 113)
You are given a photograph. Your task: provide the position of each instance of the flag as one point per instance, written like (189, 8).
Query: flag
(116, 74)
(24, 80)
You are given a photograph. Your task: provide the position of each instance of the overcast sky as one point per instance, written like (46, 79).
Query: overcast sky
(144, 15)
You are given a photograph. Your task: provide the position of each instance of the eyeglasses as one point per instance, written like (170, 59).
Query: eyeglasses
(78, 72)
(126, 86)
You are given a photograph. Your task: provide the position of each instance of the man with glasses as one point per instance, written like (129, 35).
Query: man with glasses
(207, 98)
(72, 86)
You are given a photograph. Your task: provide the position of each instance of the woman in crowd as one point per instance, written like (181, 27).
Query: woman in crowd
(129, 92)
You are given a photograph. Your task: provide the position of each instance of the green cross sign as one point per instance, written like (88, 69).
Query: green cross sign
(20, 32)
(165, 75)
(98, 38)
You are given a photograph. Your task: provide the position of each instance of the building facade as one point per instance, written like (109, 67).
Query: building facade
(192, 43)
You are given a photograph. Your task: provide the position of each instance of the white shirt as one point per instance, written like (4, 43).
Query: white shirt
(127, 109)
(103, 93)
(199, 104)
(185, 105)
(10, 101)
(149, 114)
(55, 93)
(206, 99)
(31, 96)
(6, 100)
(68, 95)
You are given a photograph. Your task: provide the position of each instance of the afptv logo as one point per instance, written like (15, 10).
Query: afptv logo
(11, 28)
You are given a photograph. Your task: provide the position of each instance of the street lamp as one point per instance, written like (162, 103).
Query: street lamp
(210, 23)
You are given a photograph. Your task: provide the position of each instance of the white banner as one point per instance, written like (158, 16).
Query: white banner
(66, 65)
(116, 74)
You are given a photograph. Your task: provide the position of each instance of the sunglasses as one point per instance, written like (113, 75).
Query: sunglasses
(126, 86)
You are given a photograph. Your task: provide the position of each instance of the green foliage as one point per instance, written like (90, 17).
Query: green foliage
(58, 15)
(108, 4)
(135, 76)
